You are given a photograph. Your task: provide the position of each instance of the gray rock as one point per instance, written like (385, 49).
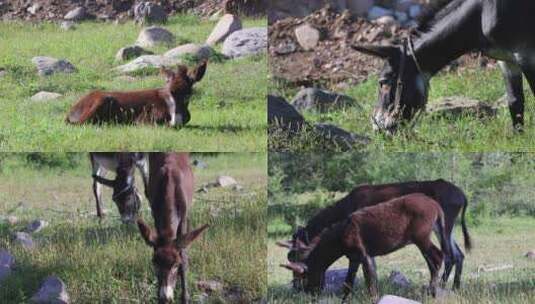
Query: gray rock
(388, 299)
(25, 240)
(45, 96)
(335, 279)
(67, 25)
(2, 73)
(340, 136)
(77, 14)
(199, 51)
(148, 13)
(131, 52)
(52, 291)
(36, 226)
(6, 259)
(385, 20)
(283, 114)
(401, 17)
(34, 8)
(530, 255)
(377, 12)
(227, 25)
(285, 47)
(399, 280)
(199, 164)
(153, 36)
(146, 61)
(415, 11)
(307, 36)
(209, 286)
(245, 42)
(48, 65)
(217, 15)
(456, 106)
(321, 100)
(225, 181)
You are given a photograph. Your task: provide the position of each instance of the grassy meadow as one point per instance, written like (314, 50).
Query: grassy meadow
(227, 107)
(500, 220)
(108, 262)
(465, 133)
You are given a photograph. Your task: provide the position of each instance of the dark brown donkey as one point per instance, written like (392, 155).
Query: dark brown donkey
(170, 195)
(165, 105)
(450, 197)
(376, 231)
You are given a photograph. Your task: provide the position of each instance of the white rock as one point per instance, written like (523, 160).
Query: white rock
(388, 299)
(36, 226)
(307, 36)
(199, 51)
(67, 25)
(386, 20)
(52, 290)
(78, 13)
(227, 25)
(131, 52)
(153, 36)
(377, 12)
(45, 96)
(146, 61)
(48, 65)
(225, 181)
(34, 8)
(245, 42)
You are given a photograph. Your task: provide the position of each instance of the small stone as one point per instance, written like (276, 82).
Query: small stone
(225, 181)
(335, 279)
(377, 12)
(78, 13)
(52, 290)
(307, 36)
(34, 8)
(385, 20)
(45, 96)
(12, 220)
(227, 25)
(131, 52)
(200, 52)
(48, 65)
(147, 13)
(321, 100)
(153, 36)
(399, 280)
(25, 240)
(237, 187)
(246, 42)
(210, 286)
(67, 25)
(146, 61)
(36, 226)
(530, 255)
(388, 299)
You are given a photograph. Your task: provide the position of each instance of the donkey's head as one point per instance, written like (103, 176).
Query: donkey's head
(169, 255)
(305, 278)
(179, 84)
(125, 194)
(402, 86)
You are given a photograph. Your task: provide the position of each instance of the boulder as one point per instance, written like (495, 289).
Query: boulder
(52, 291)
(146, 61)
(67, 25)
(25, 240)
(148, 13)
(399, 280)
(199, 51)
(245, 42)
(76, 14)
(388, 299)
(321, 100)
(335, 279)
(307, 36)
(283, 114)
(227, 25)
(131, 52)
(45, 96)
(340, 136)
(36, 226)
(48, 65)
(153, 36)
(376, 12)
(225, 181)
(456, 106)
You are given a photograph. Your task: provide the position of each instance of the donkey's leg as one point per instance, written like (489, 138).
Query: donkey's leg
(97, 188)
(183, 268)
(512, 75)
(370, 275)
(171, 108)
(354, 264)
(449, 260)
(428, 251)
(459, 259)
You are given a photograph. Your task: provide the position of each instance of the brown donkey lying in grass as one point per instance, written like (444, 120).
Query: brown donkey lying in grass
(157, 106)
(170, 196)
(375, 231)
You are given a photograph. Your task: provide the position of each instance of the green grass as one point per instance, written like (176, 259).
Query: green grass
(227, 107)
(109, 262)
(497, 242)
(465, 133)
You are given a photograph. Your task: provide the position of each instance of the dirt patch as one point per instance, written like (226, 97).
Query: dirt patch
(333, 61)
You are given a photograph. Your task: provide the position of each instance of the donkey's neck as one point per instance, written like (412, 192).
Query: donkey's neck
(328, 250)
(455, 34)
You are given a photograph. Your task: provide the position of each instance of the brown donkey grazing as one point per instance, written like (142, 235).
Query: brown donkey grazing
(164, 105)
(450, 197)
(125, 194)
(170, 195)
(375, 231)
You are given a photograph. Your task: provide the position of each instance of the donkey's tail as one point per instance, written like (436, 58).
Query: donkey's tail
(445, 244)
(467, 240)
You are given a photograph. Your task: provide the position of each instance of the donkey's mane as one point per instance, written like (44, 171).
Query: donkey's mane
(435, 13)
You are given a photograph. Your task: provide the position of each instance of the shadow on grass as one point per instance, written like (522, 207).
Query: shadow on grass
(221, 128)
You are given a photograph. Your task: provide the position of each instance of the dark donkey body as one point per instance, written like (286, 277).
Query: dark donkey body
(502, 29)
(164, 105)
(450, 197)
(374, 231)
(171, 185)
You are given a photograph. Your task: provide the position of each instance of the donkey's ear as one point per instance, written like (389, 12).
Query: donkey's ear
(104, 181)
(167, 73)
(198, 72)
(147, 233)
(186, 240)
(299, 268)
(381, 51)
